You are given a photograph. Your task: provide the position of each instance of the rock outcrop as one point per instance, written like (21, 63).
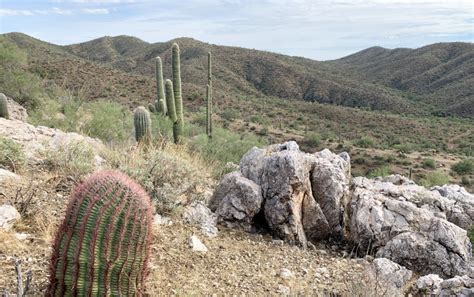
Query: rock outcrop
(35, 140)
(389, 277)
(8, 216)
(300, 196)
(16, 111)
(433, 285)
(400, 223)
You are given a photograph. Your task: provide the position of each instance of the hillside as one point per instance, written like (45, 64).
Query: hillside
(440, 74)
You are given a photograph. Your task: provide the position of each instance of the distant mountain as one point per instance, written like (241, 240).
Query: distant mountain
(436, 79)
(440, 74)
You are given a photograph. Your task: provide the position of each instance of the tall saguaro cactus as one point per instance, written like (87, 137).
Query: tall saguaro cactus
(142, 123)
(176, 70)
(103, 244)
(160, 88)
(4, 107)
(209, 96)
(170, 100)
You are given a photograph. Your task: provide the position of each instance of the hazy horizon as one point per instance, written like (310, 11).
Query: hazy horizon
(322, 30)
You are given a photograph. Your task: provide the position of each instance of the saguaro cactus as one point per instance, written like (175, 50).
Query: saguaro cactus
(4, 107)
(160, 89)
(170, 100)
(176, 70)
(209, 96)
(103, 244)
(142, 122)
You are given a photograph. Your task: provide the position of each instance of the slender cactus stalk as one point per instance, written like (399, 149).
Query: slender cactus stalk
(160, 89)
(170, 100)
(176, 70)
(209, 95)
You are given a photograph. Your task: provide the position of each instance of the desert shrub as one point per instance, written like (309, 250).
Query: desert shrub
(434, 179)
(230, 114)
(313, 139)
(429, 163)
(379, 171)
(466, 181)
(75, 158)
(360, 160)
(108, 121)
(11, 154)
(224, 147)
(364, 142)
(470, 233)
(464, 167)
(404, 148)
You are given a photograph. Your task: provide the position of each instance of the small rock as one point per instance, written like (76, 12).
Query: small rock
(5, 174)
(8, 216)
(277, 242)
(283, 290)
(161, 220)
(196, 244)
(22, 236)
(201, 215)
(285, 273)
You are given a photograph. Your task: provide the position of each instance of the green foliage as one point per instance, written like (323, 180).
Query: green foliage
(230, 114)
(365, 142)
(313, 139)
(15, 81)
(429, 163)
(464, 167)
(470, 233)
(11, 154)
(103, 244)
(4, 107)
(142, 123)
(75, 158)
(379, 171)
(434, 179)
(108, 121)
(225, 147)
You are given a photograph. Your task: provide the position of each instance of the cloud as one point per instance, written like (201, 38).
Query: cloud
(15, 12)
(95, 10)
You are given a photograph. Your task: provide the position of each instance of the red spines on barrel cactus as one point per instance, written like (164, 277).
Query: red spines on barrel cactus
(103, 244)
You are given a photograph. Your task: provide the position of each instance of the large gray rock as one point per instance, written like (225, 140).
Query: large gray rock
(433, 285)
(16, 111)
(330, 179)
(389, 277)
(460, 210)
(8, 216)
(304, 194)
(394, 227)
(198, 214)
(236, 201)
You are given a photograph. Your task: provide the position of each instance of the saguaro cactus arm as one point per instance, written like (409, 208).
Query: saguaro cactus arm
(160, 88)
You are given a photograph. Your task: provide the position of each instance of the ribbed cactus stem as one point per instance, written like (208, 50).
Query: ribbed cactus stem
(176, 70)
(160, 88)
(151, 107)
(209, 95)
(4, 107)
(142, 123)
(170, 100)
(103, 244)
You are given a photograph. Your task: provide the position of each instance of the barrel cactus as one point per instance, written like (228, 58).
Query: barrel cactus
(4, 107)
(160, 89)
(102, 246)
(142, 122)
(176, 71)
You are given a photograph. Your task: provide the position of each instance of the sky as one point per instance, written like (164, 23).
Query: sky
(316, 29)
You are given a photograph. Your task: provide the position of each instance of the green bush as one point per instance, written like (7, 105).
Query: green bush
(464, 167)
(224, 147)
(108, 121)
(365, 142)
(11, 154)
(230, 114)
(313, 139)
(434, 179)
(379, 171)
(429, 163)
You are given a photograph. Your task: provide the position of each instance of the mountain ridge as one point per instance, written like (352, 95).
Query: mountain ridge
(375, 78)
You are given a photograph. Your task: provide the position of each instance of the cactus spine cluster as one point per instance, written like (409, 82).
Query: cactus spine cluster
(178, 125)
(161, 105)
(103, 244)
(142, 123)
(4, 107)
(209, 96)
